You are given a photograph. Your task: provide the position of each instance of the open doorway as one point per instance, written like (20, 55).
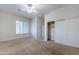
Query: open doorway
(51, 31)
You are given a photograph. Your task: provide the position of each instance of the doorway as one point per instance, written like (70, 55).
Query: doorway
(51, 31)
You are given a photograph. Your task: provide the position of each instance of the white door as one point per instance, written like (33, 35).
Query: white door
(52, 33)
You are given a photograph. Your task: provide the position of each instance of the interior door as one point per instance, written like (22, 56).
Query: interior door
(52, 33)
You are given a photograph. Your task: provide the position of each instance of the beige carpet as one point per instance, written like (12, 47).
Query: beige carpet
(30, 46)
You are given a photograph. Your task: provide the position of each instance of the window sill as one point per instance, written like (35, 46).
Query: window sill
(22, 34)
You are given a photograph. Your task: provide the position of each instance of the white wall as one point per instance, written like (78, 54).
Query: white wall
(34, 27)
(37, 27)
(67, 31)
(8, 26)
(40, 28)
(42, 22)
(64, 12)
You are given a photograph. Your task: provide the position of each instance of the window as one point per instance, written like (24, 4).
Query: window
(22, 27)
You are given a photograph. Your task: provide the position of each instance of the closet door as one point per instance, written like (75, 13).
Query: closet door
(52, 32)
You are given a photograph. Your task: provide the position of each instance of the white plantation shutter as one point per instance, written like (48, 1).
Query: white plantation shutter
(22, 27)
(17, 27)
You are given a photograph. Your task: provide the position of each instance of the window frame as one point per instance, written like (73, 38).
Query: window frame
(21, 28)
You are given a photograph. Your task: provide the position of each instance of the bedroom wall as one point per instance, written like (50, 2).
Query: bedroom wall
(37, 27)
(8, 26)
(66, 25)
(40, 27)
(34, 27)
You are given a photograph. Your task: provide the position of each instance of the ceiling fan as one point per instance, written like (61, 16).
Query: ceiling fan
(29, 8)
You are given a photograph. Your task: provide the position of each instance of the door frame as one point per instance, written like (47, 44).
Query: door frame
(49, 29)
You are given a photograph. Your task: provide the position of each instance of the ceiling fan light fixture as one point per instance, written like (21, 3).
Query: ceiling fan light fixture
(29, 8)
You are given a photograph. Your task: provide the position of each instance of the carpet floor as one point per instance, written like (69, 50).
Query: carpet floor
(29, 46)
